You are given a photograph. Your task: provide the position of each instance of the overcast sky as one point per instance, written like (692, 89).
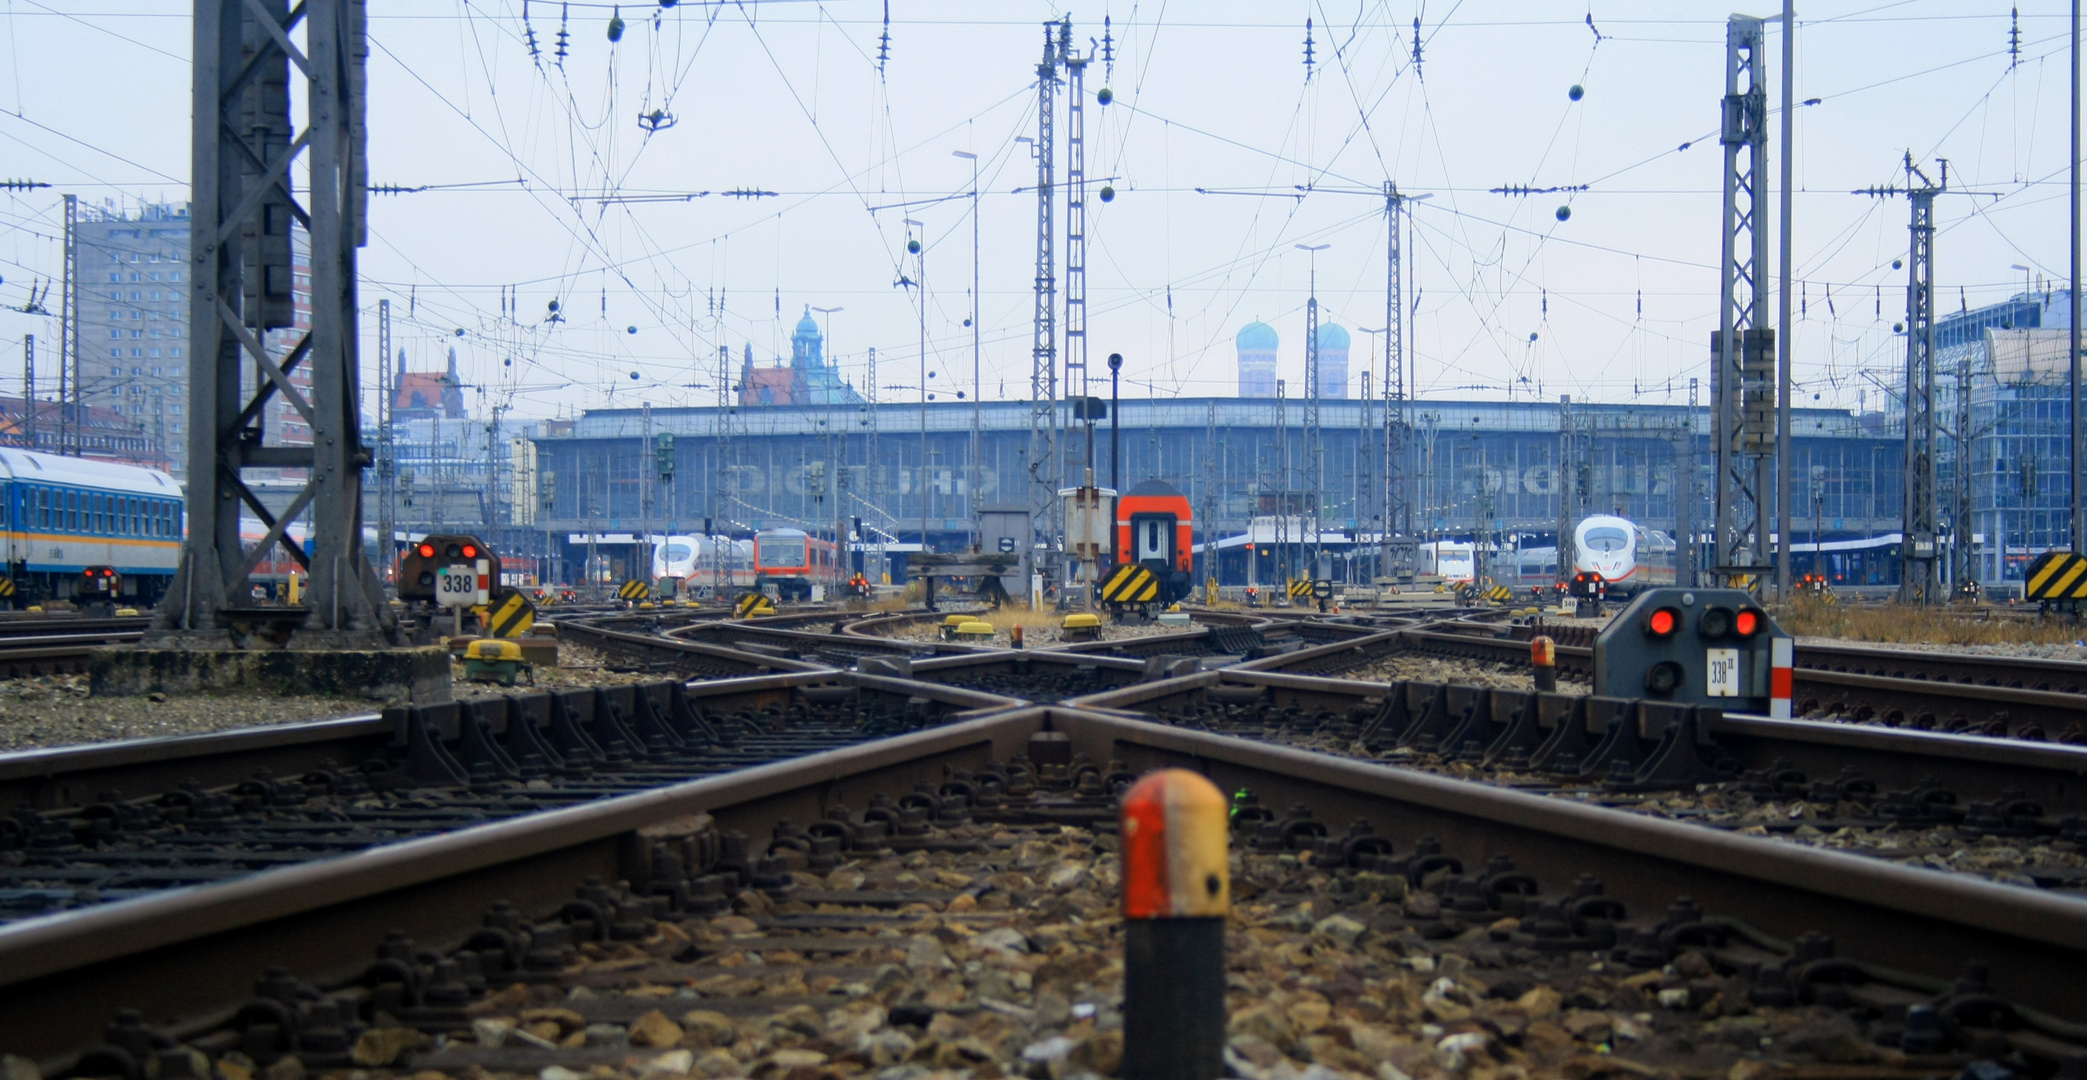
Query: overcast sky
(546, 185)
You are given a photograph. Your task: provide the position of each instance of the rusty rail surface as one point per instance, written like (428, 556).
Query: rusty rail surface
(107, 824)
(1526, 731)
(2036, 715)
(189, 961)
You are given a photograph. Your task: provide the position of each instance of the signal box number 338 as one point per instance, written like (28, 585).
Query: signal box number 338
(457, 586)
(1721, 667)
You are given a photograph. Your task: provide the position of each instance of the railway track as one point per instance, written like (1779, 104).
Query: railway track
(56, 654)
(100, 824)
(773, 920)
(1830, 683)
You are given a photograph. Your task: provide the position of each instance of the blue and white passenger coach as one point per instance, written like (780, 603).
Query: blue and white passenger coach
(66, 514)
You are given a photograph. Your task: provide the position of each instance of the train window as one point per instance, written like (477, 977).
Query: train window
(43, 509)
(72, 511)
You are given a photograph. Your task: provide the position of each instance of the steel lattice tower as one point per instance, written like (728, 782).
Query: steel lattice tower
(1043, 375)
(1917, 572)
(72, 418)
(1314, 457)
(244, 152)
(1397, 507)
(1072, 475)
(1743, 378)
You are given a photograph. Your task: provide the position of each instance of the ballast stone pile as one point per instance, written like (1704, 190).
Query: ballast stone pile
(1025, 979)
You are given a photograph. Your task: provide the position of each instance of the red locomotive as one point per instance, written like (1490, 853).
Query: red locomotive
(1155, 529)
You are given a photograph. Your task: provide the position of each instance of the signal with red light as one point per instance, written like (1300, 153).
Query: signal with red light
(1663, 622)
(1746, 622)
(417, 568)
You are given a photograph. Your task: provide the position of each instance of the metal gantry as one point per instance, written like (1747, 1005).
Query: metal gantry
(1043, 351)
(1920, 515)
(1076, 388)
(243, 286)
(1742, 387)
(71, 417)
(1314, 474)
(387, 443)
(1398, 421)
(1917, 571)
(1314, 446)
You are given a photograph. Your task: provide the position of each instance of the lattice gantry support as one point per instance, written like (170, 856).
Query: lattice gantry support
(242, 286)
(1398, 425)
(1043, 350)
(1743, 374)
(1075, 362)
(1314, 457)
(1917, 572)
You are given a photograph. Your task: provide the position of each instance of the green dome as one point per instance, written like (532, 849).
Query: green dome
(1258, 337)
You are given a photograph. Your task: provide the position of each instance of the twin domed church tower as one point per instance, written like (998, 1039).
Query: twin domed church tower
(811, 379)
(1257, 345)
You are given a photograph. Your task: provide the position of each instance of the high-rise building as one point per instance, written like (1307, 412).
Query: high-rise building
(134, 335)
(1333, 361)
(1257, 343)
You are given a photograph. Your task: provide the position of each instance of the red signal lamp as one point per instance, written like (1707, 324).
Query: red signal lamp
(470, 551)
(427, 551)
(1746, 623)
(1663, 622)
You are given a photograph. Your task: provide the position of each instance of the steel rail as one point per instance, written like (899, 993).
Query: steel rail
(56, 654)
(1994, 710)
(189, 958)
(192, 955)
(677, 653)
(1936, 925)
(2055, 777)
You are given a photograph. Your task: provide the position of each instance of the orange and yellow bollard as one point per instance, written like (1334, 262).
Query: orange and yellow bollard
(1176, 893)
(1543, 657)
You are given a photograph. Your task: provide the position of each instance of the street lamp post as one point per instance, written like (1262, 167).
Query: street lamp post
(839, 437)
(920, 289)
(1313, 470)
(1115, 423)
(976, 417)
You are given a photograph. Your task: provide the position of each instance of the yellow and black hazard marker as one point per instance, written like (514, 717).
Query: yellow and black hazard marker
(6, 588)
(1130, 583)
(633, 590)
(753, 604)
(2056, 575)
(512, 615)
(1176, 895)
(1300, 588)
(1500, 594)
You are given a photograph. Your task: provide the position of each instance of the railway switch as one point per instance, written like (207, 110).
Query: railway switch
(1697, 647)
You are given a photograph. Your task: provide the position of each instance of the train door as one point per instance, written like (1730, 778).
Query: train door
(1152, 538)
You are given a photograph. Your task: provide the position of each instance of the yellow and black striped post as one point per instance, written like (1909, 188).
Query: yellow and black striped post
(1130, 583)
(2056, 576)
(1176, 893)
(633, 590)
(1300, 588)
(512, 615)
(753, 604)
